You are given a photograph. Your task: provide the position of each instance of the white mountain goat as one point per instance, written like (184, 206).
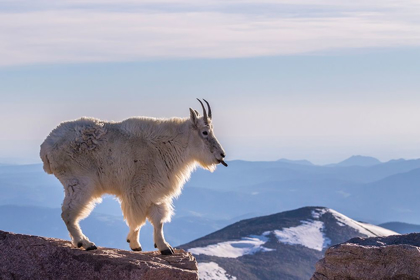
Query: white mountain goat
(143, 161)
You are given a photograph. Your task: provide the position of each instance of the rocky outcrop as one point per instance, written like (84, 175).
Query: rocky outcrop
(33, 257)
(392, 257)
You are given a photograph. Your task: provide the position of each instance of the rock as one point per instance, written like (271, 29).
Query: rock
(392, 257)
(33, 257)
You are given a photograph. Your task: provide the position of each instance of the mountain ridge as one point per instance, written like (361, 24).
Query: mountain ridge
(267, 247)
(357, 160)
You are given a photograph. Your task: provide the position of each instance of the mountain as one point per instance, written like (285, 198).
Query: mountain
(382, 192)
(241, 174)
(281, 246)
(302, 162)
(402, 228)
(29, 185)
(392, 198)
(358, 161)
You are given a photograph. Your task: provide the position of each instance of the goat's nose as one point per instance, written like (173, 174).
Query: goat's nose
(222, 155)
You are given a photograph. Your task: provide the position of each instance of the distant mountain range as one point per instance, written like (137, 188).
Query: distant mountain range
(377, 194)
(269, 187)
(281, 246)
(402, 228)
(244, 173)
(358, 161)
(302, 162)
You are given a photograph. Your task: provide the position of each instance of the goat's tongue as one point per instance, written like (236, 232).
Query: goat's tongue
(224, 163)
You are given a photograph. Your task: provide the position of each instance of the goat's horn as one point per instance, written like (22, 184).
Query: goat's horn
(204, 111)
(208, 107)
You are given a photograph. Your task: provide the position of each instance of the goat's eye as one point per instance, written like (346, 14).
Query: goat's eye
(205, 133)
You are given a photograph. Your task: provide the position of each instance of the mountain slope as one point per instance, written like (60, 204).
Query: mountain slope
(358, 161)
(393, 198)
(281, 246)
(302, 162)
(242, 174)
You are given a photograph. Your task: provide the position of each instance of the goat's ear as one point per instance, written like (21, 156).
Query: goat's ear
(194, 117)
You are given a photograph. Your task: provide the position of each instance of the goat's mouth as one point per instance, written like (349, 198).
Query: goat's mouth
(222, 162)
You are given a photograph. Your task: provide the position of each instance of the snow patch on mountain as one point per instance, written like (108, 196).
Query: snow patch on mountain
(317, 213)
(376, 230)
(309, 234)
(367, 229)
(234, 249)
(363, 228)
(212, 271)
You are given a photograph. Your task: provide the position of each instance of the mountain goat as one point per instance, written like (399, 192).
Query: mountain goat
(143, 161)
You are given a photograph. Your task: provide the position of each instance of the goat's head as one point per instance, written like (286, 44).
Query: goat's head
(209, 151)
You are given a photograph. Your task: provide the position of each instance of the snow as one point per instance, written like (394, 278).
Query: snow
(366, 229)
(308, 234)
(212, 271)
(317, 213)
(342, 220)
(378, 231)
(234, 249)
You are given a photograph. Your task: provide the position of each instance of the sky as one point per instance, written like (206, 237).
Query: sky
(318, 80)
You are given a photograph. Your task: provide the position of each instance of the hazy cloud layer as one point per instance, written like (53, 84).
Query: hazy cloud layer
(100, 30)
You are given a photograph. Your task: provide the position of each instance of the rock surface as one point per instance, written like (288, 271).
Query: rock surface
(392, 257)
(33, 257)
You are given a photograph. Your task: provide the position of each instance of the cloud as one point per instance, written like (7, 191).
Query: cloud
(100, 31)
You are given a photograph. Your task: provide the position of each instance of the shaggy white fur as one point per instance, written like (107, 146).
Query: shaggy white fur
(143, 161)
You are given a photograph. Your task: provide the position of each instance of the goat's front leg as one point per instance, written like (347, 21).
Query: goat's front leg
(157, 215)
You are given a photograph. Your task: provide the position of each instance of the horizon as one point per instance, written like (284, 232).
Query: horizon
(20, 161)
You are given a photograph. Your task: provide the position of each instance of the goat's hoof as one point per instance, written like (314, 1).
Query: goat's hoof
(166, 252)
(169, 251)
(155, 245)
(137, 249)
(93, 247)
(80, 244)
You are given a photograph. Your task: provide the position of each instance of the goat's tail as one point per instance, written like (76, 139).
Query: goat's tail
(44, 157)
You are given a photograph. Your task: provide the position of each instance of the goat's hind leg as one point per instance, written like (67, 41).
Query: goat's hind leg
(135, 217)
(133, 238)
(157, 215)
(77, 205)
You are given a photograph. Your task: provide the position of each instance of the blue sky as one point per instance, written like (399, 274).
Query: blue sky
(295, 79)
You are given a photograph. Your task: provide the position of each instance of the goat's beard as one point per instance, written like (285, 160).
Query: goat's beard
(210, 167)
